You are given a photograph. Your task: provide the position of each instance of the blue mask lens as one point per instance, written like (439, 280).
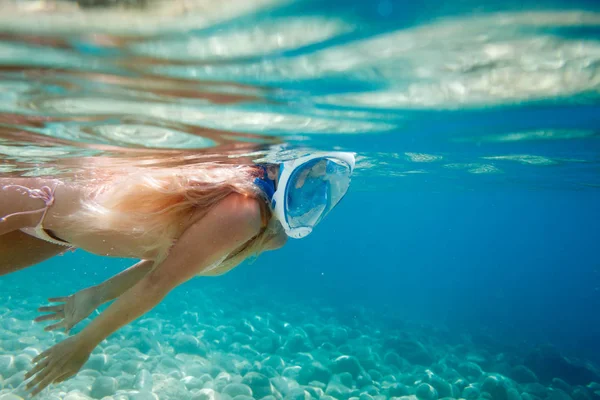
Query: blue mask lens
(314, 189)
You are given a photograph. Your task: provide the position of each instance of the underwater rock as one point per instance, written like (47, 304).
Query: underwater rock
(143, 380)
(594, 386)
(470, 392)
(197, 370)
(347, 364)
(205, 378)
(7, 366)
(167, 364)
(243, 367)
(142, 395)
(237, 389)
(315, 371)
(131, 367)
(392, 358)
(443, 388)
(364, 380)
(246, 327)
(345, 378)
(81, 384)
(411, 350)
(15, 380)
(581, 393)
(274, 361)
(223, 376)
(522, 374)
(527, 396)
(75, 396)
(370, 390)
(10, 396)
(144, 341)
(314, 391)
(188, 344)
(90, 373)
(281, 384)
(536, 389)
(557, 394)
(365, 396)
(213, 335)
(397, 390)
(22, 362)
(267, 371)
(338, 386)
(335, 334)
(375, 375)
(329, 348)
(562, 385)
(267, 344)
(103, 386)
(513, 394)
(258, 383)
(96, 362)
(495, 386)
(367, 357)
(124, 381)
(239, 337)
(426, 392)
(303, 358)
(410, 397)
(459, 385)
(298, 394)
(205, 394)
(297, 343)
(291, 372)
(470, 370)
(548, 363)
(170, 388)
(191, 382)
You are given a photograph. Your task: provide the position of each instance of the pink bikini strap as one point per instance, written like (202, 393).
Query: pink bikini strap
(44, 193)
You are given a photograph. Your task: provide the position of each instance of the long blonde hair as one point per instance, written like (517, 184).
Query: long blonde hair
(151, 203)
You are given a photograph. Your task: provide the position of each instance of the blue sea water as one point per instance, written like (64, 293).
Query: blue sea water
(470, 231)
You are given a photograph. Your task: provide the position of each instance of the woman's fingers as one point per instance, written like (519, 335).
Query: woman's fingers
(49, 317)
(41, 356)
(51, 375)
(63, 377)
(37, 368)
(58, 299)
(56, 308)
(41, 374)
(61, 324)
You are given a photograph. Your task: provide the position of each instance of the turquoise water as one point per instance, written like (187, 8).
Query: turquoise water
(462, 264)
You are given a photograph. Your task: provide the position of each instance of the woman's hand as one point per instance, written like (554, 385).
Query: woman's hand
(74, 309)
(58, 363)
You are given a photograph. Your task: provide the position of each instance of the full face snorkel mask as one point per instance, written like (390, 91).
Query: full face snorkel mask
(307, 189)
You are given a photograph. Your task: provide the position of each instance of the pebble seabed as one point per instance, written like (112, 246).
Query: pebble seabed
(213, 345)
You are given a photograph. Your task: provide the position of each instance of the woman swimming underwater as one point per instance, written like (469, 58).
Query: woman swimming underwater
(180, 222)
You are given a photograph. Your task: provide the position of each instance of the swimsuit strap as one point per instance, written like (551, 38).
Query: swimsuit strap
(44, 193)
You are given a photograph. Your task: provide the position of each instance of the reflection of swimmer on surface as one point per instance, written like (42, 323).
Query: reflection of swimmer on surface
(181, 222)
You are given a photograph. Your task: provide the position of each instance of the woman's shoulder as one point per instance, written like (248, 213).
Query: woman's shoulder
(245, 212)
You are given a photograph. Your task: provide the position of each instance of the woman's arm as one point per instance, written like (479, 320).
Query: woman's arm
(120, 283)
(231, 223)
(79, 305)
